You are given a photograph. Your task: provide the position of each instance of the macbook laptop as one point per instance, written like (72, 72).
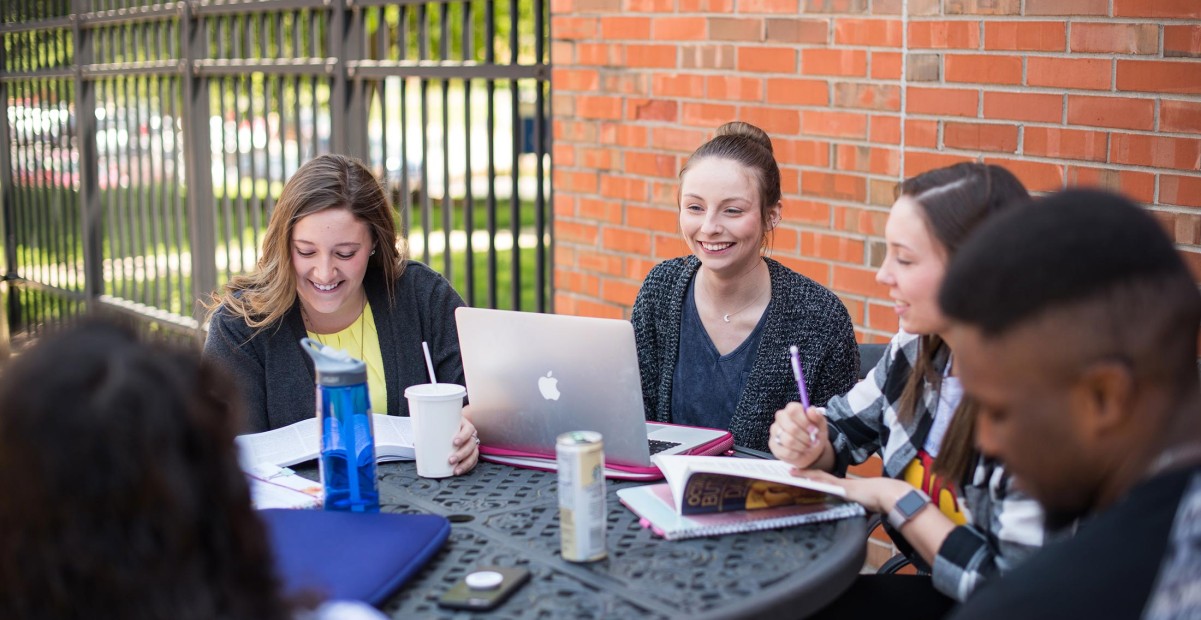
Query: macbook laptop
(531, 377)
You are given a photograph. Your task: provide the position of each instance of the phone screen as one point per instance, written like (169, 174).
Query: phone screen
(488, 592)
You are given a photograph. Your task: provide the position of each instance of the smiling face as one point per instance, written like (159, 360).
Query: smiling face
(913, 268)
(720, 216)
(330, 251)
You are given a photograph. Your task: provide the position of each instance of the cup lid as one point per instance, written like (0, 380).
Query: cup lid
(436, 391)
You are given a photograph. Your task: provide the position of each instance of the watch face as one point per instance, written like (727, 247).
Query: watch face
(910, 503)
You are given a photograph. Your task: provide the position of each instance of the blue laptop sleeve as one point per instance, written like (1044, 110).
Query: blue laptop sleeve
(354, 556)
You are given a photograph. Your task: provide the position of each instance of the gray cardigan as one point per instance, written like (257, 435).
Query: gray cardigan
(802, 312)
(276, 377)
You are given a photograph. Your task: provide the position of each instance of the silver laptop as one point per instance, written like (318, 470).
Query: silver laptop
(532, 376)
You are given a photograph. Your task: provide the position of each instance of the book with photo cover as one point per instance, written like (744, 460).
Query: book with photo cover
(709, 496)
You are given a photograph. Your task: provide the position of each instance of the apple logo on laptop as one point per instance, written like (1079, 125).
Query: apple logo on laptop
(548, 385)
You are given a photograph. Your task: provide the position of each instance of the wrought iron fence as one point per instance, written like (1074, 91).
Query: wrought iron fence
(148, 142)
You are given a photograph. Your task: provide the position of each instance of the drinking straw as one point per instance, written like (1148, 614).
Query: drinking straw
(429, 364)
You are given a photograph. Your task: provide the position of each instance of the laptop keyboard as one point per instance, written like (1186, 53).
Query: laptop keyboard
(659, 446)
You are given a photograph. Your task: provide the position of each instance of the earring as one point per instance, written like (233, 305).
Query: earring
(373, 252)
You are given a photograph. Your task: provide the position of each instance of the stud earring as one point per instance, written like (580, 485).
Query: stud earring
(373, 252)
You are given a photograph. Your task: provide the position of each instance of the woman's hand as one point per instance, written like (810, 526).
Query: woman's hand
(800, 437)
(877, 495)
(467, 448)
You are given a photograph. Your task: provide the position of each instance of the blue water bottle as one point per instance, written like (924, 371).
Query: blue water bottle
(347, 441)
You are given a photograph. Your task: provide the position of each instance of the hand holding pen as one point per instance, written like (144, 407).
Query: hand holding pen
(800, 386)
(797, 435)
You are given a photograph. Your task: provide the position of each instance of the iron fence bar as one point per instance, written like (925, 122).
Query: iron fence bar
(542, 34)
(432, 69)
(89, 188)
(131, 15)
(33, 284)
(200, 187)
(36, 25)
(25, 76)
(206, 8)
(468, 197)
(231, 66)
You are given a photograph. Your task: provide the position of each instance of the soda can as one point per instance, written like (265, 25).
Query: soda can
(581, 462)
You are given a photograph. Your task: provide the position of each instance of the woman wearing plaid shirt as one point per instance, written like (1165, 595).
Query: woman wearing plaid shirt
(910, 411)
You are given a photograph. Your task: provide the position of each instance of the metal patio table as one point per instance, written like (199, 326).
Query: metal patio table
(507, 516)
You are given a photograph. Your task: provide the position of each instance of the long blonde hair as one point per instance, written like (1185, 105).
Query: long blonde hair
(263, 296)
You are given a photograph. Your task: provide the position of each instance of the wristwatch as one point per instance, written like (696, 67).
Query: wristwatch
(906, 508)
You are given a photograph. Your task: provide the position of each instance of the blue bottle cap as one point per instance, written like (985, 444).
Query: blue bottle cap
(335, 367)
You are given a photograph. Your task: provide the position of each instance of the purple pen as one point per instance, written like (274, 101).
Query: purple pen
(800, 386)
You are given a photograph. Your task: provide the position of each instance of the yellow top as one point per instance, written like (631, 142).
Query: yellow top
(361, 340)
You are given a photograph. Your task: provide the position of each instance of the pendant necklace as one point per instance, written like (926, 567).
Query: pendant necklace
(726, 316)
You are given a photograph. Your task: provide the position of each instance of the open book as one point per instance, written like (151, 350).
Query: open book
(300, 442)
(707, 496)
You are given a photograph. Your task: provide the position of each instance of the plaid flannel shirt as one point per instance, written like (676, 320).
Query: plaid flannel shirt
(1003, 526)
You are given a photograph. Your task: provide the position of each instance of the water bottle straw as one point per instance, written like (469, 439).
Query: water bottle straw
(429, 364)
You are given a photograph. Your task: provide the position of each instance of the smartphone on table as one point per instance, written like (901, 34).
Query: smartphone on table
(485, 587)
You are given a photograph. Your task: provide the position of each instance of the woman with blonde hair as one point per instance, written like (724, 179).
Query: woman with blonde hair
(333, 269)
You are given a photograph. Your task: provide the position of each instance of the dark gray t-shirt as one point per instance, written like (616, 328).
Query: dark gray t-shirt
(707, 386)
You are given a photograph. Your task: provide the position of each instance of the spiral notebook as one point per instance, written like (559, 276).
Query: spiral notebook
(653, 503)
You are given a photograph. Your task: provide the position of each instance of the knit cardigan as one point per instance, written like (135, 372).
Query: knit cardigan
(276, 377)
(801, 312)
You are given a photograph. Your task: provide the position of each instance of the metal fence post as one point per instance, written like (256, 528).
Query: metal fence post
(201, 224)
(348, 109)
(9, 307)
(85, 136)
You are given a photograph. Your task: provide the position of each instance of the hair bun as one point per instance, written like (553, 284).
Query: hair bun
(745, 130)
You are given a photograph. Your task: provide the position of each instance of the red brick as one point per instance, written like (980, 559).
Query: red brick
(983, 7)
(832, 247)
(1115, 38)
(1023, 106)
(662, 56)
(881, 317)
(917, 162)
(1184, 228)
(810, 268)
(843, 62)
(868, 32)
(855, 7)
(981, 68)
(651, 164)
(735, 29)
(585, 307)
(680, 29)
(597, 158)
(692, 7)
(836, 124)
(1155, 151)
(775, 121)
(1084, 73)
(678, 85)
(887, 7)
(1036, 176)
(598, 6)
(624, 134)
(708, 57)
(1180, 190)
(1175, 9)
(649, 6)
(584, 182)
(1181, 116)
(586, 234)
(921, 133)
(944, 35)
(661, 220)
(980, 137)
(562, 7)
(575, 79)
(858, 280)
(1067, 7)
(833, 185)
(786, 7)
(938, 101)
(1065, 143)
(1159, 76)
(790, 91)
(734, 87)
(886, 65)
(563, 154)
(589, 106)
(795, 30)
(618, 291)
(576, 282)
(1182, 41)
(625, 83)
(669, 246)
(573, 27)
(637, 28)
(807, 212)
(575, 131)
(871, 159)
(562, 53)
(1111, 112)
(623, 187)
(601, 262)
(707, 114)
(653, 109)
(885, 97)
(814, 153)
(1025, 36)
(624, 240)
(608, 211)
(606, 54)
(677, 139)
(1139, 186)
(762, 59)
(884, 130)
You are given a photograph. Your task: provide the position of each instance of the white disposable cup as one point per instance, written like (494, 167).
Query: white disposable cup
(436, 410)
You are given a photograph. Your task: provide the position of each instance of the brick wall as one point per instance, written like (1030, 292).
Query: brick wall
(857, 94)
